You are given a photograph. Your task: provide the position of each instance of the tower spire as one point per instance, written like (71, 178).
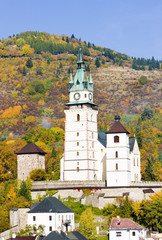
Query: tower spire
(80, 56)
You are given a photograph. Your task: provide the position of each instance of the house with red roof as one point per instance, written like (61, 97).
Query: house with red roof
(126, 229)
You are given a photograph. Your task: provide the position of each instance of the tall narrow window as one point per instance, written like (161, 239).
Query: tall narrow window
(77, 169)
(133, 161)
(50, 218)
(93, 154)
(77, 143)
(116, 139)
(92, 135)
(92, 144)
(116, 166)
(77, 153)
(77, 134)
(34, 218)
(116, 154)
(78, 117)
(137, 161)
(50, 229)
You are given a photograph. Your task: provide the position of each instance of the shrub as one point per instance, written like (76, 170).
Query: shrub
(38, 175)
(143, 80)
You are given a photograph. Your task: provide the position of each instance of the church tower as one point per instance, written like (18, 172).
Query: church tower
(80, 156)
(117, 155)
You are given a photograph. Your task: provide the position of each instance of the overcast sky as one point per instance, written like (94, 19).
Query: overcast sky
(133, 27)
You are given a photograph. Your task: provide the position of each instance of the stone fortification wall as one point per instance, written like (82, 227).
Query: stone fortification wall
(101, 195)
(6, 234)
(51, 185)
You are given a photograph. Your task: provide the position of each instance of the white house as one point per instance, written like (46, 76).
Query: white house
(126, 229)
(112, 157)
(53, 214)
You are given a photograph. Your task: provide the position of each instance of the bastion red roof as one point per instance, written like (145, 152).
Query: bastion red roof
(124, 223)
(31, 148)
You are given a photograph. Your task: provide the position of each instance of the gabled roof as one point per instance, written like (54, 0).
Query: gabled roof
(117, 127)
(75, 235)
(56, 236)
(31, 148)
(124, 223)
(50, 204)
(23, 238)
(149, 190)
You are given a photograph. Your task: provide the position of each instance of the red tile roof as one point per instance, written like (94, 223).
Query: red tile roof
(31, 148)
(117, 127)
(124, 223)
(23, 238)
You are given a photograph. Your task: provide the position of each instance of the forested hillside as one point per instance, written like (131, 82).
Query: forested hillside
(34, 76)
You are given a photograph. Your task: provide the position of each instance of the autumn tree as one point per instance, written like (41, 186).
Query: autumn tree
(38, 175)
(86, 224)
(7, 162)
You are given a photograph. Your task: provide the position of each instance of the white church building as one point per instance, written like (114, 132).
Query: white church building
(90, 155)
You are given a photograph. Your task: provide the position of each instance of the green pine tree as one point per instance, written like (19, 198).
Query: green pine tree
(29, 63)
(24, 191)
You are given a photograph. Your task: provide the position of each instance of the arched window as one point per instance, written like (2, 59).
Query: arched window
(116, 166)
(78, 117)
(116, 139)
(116, 154)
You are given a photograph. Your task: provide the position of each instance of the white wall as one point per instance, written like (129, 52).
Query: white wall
(126, 234)
(55, 223)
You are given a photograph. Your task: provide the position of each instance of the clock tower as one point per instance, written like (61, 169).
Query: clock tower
(80, 155)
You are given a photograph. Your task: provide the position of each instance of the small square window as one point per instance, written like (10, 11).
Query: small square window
(118, 234)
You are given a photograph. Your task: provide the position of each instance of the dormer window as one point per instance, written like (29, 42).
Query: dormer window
(116, 139)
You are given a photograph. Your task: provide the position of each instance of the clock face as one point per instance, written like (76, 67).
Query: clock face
(76, 96)
(90, 96)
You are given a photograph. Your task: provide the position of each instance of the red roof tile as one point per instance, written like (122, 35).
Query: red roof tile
(124, 223)
(31, 148)
(117, 127)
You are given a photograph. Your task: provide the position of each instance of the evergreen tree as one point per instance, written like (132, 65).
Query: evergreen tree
(147, 113)
(24, 71)
(24, 191)
(149, 174)
(67, 39)
(39, 71)
(87, 68)
(127, 208)
(97, 63)
(29, 63)
(72, 36)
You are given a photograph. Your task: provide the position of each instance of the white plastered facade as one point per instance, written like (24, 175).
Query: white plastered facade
(52, 221)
